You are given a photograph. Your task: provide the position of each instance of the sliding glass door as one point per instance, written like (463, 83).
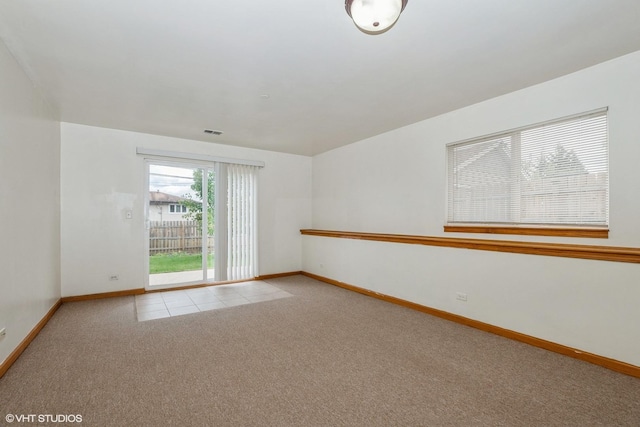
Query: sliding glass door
(201, 223)
(180, 224)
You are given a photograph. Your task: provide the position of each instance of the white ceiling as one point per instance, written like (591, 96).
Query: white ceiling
(178, 67)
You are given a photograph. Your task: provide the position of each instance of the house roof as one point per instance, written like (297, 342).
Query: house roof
(297, 76)
(159, 198)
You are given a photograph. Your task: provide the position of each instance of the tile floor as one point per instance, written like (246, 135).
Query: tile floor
(159, 305)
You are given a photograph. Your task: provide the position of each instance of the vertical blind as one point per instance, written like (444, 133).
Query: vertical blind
(235, 210)
(242, 221)
(556, 173)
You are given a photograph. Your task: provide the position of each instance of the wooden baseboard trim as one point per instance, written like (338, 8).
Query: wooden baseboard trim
(88, 297)
(278, 275)
(140, 291)
(614, 365)
(601, 253)
(4, 367)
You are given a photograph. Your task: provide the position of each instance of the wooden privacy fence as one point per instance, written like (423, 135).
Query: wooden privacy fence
(176, 236)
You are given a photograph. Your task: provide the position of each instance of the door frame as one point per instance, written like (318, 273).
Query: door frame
(187, 164)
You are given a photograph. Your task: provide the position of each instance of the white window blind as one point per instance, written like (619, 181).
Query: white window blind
(554, 173)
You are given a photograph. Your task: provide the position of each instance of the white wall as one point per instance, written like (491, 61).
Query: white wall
(396, 183)
(102, 178)
(29, 205)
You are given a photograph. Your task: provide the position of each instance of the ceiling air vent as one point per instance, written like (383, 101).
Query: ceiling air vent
(213, 132)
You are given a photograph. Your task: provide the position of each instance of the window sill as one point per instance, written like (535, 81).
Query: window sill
(595, 233)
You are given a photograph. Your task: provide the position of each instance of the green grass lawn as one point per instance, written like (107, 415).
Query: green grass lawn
(179, 261)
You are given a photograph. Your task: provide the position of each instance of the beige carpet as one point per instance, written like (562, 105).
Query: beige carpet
(323, 357)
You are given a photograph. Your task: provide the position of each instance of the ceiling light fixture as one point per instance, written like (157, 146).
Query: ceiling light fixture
(374, 16)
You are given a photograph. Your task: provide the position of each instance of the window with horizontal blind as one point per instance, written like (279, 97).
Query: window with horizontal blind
(550, 174)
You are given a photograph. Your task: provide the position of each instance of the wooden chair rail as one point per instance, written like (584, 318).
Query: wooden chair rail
(602, 253)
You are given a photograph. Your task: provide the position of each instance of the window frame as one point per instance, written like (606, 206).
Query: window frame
(526, 228)
(177, 208)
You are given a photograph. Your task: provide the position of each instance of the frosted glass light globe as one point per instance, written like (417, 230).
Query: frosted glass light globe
(374, 16)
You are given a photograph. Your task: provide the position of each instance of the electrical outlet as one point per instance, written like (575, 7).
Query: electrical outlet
(114, 277)
(3, 332)
(460, 296)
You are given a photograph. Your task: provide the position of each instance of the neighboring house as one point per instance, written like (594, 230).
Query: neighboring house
(166, 207)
